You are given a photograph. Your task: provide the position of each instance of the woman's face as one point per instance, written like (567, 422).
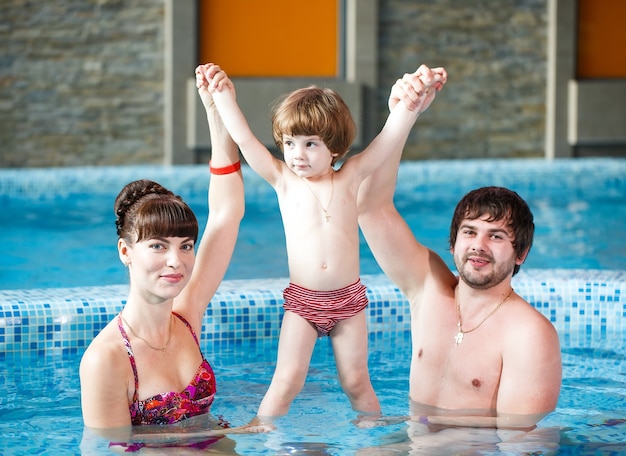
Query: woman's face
(159, 267)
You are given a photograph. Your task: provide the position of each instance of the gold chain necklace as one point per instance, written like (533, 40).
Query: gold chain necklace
(162, 349)
(459, 336)
(330, 200)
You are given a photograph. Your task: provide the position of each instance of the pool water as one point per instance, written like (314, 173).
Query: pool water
(58, 231)
(63, 234)
(40, 406)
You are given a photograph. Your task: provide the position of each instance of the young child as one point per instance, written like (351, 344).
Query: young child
(314, 129)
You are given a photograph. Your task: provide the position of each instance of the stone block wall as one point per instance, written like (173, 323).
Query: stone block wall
(495, 52)
(82, 81)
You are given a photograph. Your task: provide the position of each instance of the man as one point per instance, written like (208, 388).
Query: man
(482, 356)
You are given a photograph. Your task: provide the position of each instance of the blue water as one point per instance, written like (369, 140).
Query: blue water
(64, 235)
(40, 406)
(67, 238)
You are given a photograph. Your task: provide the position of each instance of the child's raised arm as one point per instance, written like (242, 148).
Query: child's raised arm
(406, 103)
(256, 154)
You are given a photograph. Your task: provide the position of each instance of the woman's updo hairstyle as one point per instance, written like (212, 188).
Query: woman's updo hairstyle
(145, 209)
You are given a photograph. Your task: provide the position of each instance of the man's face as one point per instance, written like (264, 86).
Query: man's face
(483, 252)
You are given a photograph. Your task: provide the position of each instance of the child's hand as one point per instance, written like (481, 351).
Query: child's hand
(418, 90)
(433, 77)
(210, 78)
(213, 78)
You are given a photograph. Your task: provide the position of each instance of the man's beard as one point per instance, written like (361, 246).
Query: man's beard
(480, 280)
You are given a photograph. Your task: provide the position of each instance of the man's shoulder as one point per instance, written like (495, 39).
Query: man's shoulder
(528, 323)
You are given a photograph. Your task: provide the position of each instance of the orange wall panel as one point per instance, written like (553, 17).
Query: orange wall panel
(274, 38)
(601, 39)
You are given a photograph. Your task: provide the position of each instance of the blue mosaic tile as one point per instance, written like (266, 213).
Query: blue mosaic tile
(35, 322)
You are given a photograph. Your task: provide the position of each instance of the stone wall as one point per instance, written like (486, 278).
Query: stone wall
(496, 57)
(82, 81)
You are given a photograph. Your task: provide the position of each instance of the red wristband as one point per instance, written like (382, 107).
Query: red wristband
(226, 169)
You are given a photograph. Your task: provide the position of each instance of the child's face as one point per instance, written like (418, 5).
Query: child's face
(307, 156)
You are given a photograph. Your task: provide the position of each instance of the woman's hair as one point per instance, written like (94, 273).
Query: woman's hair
(499, 204)
(144, 209)
(315, 111)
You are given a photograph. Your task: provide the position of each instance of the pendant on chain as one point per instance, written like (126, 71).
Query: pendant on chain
(326, 217)
(459, 337)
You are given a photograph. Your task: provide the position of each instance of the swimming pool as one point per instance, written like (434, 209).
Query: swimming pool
(39, 395)
(58, 224)
(43, 331)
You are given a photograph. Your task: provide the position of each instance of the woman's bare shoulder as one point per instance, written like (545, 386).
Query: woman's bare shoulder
(106, 349)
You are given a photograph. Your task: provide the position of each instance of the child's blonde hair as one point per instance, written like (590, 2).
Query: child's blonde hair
(315, 111)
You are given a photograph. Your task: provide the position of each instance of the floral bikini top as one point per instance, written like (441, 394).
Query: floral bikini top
(171, 407)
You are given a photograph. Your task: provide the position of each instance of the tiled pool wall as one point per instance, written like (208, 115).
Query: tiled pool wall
(590, 178)
(593, 178)
(580, 304)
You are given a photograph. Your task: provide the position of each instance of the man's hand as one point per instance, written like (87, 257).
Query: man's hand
(418, 90)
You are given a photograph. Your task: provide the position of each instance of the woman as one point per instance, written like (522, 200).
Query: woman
(145, 366)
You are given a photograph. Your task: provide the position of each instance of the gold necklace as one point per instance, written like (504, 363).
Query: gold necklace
(459, 336)
(330, 200)
(162, 349)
